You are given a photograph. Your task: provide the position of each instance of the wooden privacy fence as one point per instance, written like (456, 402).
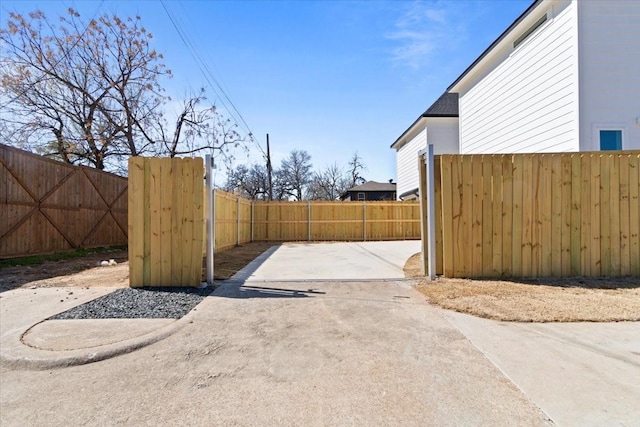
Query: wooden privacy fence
(537, 215)
(166, 221)
(48, 206)
(240, 220)
(336, 221)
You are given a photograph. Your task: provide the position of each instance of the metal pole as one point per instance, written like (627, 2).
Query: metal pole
(211, 196)
(431, 213)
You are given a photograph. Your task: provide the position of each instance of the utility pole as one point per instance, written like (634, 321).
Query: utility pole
(269, 170)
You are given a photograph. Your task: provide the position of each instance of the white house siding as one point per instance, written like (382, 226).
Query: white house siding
(407, 163)
(529, 101)
(609, 53)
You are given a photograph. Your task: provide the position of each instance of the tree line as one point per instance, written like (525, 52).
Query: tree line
(295, 179)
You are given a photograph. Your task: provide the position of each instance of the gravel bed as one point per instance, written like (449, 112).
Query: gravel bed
(139, 303)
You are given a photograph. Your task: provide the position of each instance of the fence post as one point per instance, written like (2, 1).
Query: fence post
(238, 220)
(364, 221)
(308, 220)
(428, 210)
(211, 216)
(252, 217)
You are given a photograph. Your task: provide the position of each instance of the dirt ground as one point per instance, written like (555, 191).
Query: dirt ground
(575, 299)
(85, 272)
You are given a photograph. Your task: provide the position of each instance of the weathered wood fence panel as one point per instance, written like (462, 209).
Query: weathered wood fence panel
(539, 215)
(166, 216)
(48, 206)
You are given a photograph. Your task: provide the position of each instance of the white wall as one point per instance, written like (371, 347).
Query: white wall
(407, 163)
(609, 53)
(442, 132)
(529, 101)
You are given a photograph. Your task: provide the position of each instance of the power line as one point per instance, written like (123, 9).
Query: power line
(209, 76)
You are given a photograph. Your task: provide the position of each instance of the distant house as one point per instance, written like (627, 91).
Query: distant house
(439, 126)
(370, 190)
(563, 77)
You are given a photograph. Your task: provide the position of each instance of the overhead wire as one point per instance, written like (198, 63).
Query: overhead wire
(209, 76)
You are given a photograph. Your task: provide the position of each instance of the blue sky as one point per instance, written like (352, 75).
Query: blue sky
(328, 77)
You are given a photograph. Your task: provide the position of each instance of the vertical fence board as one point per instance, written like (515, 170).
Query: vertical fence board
(457, 180)
(496, 215)
(154, 193)
(548, 245)
(614, 206)
(585, 215)
(507, 214)
(438, 213)
(527, 214)
(487, 212)
(566, 216)
(518, 218)
(555, 231)
(605, 214)
(625, 266)
(634, 214)
(476, 216)
(446, 173)
(595, 215)
(136, 216)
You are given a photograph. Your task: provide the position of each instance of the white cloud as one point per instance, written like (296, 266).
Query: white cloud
(422, 31)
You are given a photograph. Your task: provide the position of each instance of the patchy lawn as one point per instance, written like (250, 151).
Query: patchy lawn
(577, 299)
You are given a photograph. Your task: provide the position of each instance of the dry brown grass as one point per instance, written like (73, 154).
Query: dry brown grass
(535, 300)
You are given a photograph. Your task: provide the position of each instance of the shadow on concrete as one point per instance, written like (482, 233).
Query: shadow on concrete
(238, 289)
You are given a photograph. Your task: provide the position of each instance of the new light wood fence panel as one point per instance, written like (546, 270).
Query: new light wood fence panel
(48, 206)
(233, 220)
(539, 215)
(335, 221)
(166, 221)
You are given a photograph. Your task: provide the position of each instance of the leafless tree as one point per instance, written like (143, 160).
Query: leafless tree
(294, 175)
(93, 87)
(251, 182)
(327, 184)
(89, 92)
(356, 167)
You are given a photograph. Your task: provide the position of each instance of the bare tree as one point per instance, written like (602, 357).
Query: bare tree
(294, 175)
(252, 182)
(93, 87)
(327, 184)
(355, 168)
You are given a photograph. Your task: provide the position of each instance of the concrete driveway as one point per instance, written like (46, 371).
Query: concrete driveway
(275, 346)
(331, 261)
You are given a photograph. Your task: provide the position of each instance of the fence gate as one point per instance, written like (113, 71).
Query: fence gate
(166, 221)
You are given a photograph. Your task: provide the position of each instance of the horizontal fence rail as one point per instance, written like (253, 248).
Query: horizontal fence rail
(538, 215)
(48, 206)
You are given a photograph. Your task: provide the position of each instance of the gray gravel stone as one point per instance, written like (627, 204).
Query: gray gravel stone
(139, 303)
